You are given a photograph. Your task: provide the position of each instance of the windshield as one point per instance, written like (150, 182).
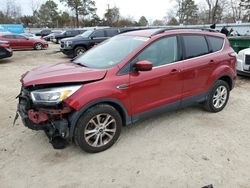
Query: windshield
(86, 33)
(111, 52)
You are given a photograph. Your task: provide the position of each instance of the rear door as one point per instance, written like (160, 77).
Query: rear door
(12, 40)
(197, 65)
(23, 42)
(161, 86)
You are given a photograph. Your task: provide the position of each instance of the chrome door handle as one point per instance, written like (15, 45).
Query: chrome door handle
(123, 86)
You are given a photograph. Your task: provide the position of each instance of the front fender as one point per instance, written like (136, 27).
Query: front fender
(77, 114)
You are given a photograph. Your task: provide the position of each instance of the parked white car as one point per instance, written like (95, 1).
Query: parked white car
(243, 62)
(31, 35)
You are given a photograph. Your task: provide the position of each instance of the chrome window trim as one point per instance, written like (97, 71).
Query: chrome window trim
(181, 61)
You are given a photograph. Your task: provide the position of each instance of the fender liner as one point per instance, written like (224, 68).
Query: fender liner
(73, 118)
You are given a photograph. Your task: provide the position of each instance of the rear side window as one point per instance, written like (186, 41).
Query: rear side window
(9, 36)
(98, 34)
(75, 32)
(195, 45)
(20, 37)
(112, 32)
(216, 43)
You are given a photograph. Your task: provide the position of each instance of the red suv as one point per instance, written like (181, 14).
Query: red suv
(125, 79)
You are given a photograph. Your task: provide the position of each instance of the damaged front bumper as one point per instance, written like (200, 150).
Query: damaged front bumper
(54, 120)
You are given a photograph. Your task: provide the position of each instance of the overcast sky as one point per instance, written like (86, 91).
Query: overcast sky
(155, 9)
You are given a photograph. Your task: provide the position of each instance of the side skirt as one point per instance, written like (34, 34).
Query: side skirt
(169, 107)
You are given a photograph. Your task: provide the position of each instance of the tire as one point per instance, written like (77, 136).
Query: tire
(38, 46)
(217, 97)
(79, 51)
(91, 137)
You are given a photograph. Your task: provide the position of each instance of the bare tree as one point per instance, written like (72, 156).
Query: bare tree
(12, 10)
(215, 10)
(35, 5)
(236, 9)
(187, 11)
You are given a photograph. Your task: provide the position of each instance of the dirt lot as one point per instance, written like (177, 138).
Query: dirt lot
(186, 148)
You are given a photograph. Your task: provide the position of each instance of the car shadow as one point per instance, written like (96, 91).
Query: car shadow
(5, 61)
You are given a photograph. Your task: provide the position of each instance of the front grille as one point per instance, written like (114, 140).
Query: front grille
(247, 60)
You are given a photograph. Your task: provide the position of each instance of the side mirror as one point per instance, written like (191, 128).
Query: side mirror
(92, 37)
(143, 65)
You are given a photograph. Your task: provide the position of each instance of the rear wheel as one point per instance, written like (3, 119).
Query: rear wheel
(98, 128)
(79, 51)
(218, 97)
(38, 46)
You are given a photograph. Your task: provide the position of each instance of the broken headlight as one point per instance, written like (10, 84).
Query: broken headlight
(53, 95)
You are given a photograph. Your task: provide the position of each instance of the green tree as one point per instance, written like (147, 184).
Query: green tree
(143, 21)
(48, 14)
(81, 8)
(158, 23)
(29, 21)
(63, 19)
(112, 16)
(187, 11)
(172, 21)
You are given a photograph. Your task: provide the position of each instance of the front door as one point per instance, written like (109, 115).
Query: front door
(161, 86)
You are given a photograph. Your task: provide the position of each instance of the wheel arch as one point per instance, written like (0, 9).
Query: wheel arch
(228, 80)
(80, 45)
(224, 73)
(126, 119)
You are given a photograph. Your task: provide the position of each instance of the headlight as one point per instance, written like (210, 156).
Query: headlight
(68, 43)
(53, 95)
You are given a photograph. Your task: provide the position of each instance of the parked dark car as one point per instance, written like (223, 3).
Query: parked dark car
(21, 42)
(127, 78)
(5, 50)
(51, 35)
(43, 32)
(80, 44)
(66, 34)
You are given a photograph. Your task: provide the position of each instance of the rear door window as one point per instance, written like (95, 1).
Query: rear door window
(9, 36)
(20, 37)
(68, 32)
(99, 34)
(195, 45)
(216, 43)
(111, 32)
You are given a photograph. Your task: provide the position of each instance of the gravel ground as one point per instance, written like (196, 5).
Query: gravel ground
(186, 148)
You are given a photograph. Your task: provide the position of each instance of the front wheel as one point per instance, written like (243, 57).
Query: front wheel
(79, 51)
(38, 46)
(218, 97)
(98, 128)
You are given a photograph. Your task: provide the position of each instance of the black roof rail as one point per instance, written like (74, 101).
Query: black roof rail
(127, 29)
(177, 28)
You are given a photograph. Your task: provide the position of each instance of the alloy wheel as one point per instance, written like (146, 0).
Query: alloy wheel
(80, 51)
(220, 97)
(100, 130)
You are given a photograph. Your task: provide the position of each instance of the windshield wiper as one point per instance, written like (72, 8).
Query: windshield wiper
(77, 63)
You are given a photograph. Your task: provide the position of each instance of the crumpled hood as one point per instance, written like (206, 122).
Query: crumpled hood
(61, 73)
